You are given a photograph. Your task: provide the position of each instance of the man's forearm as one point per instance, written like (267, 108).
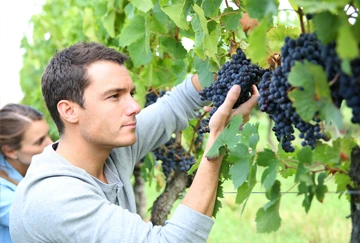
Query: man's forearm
(196, 82)
(202, 193)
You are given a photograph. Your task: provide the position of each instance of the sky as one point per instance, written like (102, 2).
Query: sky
(14, 23)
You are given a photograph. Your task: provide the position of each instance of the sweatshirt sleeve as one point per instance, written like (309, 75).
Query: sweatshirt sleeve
(81, 214)
(171, 113)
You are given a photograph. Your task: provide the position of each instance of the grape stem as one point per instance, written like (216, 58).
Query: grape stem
(301, 14)
(333, 81)
(288, 190)
(221, 15)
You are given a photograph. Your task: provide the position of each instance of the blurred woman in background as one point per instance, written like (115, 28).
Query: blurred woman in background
(23, 133)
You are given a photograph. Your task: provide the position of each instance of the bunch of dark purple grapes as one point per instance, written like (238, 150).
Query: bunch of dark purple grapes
(239, 70)
(173, 156)
(343, 86)
(274, 88)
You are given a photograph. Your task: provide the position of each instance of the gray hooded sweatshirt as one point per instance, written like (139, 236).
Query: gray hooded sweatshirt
(59, 202)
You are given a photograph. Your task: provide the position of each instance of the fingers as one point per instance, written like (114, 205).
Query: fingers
(207, 108)
(251, 103)
(231, 98)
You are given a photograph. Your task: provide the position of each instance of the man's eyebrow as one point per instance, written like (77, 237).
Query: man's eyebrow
(119, 90)
(116, 90)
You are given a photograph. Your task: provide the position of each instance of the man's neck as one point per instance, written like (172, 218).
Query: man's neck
(84, 155)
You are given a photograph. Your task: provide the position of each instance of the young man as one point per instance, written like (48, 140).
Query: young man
(79, 189)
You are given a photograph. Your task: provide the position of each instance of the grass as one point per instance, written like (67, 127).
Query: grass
(325, 222)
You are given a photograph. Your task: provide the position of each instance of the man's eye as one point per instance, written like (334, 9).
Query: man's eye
(115, 96)
(132, 94)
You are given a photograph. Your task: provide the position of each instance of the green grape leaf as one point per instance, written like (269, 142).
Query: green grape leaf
(346, 67)
(308, 195)
(129, 10)
(346, 45)
(143, 5)
(326, 154)
(317, 6)
(133, 31)
(321, 189)
(147, 34)
(110, 4)
(211, 43)
(89, 24)
(225, 169)
(178, 70)
(200, 36)
(315, 95)
(230, 19)
(250, 136)
(276, 36)
(347, 143)
(108, 21)
(205, 76)
(253, 141)
(266, 158)
(261, 8)
(177, 11)
(138, 53)
(342, 181)
(147, 168)
(244, 191)
(219, 194)
(305, 161)
(286, 173)
(174, 48)
(268, 220)
(227, 138)
(303, 102)
(211, 7)
(202, 19)
(327, 26)
(269, 176)
(159, 15)
(273, 194)
(256, 50)
(188, 133)
(292, 4)
(328, 112)
(239, 171)
(356, 30)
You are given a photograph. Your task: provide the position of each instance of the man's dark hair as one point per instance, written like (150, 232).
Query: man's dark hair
(65, 77)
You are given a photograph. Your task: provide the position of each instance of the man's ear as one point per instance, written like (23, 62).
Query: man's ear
(67, 111)
(9, 152)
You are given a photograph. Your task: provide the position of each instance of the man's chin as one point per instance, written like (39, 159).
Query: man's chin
(129, 142)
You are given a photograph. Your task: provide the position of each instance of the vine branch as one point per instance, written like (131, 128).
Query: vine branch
(221, 15)
(301, 15)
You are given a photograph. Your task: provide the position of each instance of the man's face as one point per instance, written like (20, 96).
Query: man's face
(108, 118)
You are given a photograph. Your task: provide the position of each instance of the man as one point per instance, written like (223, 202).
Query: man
(79, 189)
